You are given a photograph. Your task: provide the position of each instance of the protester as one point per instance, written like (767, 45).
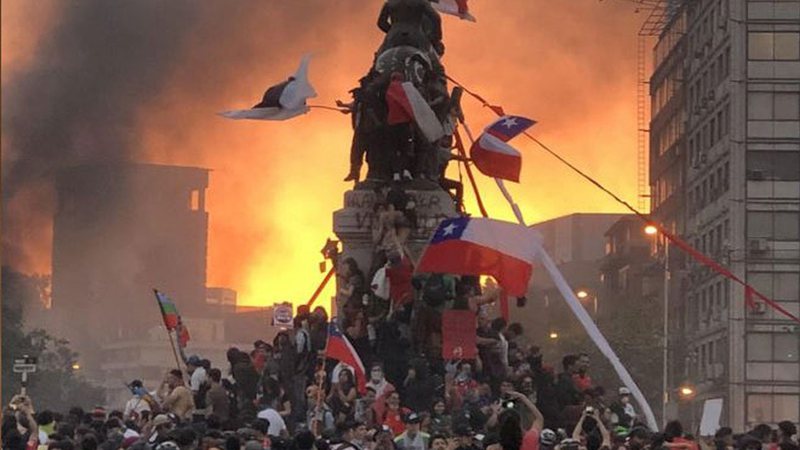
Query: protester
(175, 397)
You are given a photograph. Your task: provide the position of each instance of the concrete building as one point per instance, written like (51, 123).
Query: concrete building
(576, 244)
(629, 272)
(121, 230)
(725, 175)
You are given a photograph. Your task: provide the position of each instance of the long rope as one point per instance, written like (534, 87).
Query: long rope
(699, 256)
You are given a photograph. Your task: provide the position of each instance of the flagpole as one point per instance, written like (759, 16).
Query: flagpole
(169, 335)
(574, 304)
(463, 153)
(321, 286)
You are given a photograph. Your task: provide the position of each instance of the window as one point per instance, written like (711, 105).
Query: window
(772, 408)
(780, 286)
(769, 46)
(779, 226)
(779, 166)
(773, 105)
(777, 347)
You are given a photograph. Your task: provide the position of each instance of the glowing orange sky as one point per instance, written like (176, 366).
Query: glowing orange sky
(570, 64)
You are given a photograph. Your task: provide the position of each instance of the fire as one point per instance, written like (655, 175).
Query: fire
(274, 186)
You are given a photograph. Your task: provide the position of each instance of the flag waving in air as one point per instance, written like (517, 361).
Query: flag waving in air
(339, 348)
(477, 246)
(458, 8)
(169, 312)
(282, 101)
(172, 319)
(406, 104)
(491, 153)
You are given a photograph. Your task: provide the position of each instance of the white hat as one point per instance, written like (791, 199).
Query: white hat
(624, 391)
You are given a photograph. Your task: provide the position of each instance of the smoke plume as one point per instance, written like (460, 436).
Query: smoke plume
(142, 80)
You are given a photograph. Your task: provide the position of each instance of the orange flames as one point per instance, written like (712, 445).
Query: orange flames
(274, 186)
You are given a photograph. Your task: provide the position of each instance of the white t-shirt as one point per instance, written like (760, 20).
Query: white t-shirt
(276, 423)
(136, 405)
(198, 378)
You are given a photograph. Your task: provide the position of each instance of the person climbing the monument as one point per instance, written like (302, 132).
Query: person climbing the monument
(400, 130)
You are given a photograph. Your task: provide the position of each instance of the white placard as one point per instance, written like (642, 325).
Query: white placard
(712, 412)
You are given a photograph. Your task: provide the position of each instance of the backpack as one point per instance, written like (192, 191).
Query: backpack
(435, 292)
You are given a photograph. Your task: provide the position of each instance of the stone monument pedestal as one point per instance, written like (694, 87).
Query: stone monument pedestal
(353, 223)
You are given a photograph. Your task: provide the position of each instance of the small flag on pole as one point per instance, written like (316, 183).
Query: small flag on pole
(339, 348)
(493, 156)
(477, 246)
(169, 312)
(282, 101)
(458, 8)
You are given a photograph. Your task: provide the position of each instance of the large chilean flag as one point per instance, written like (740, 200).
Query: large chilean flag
(338, 347)
(493, 156)
(477, 246)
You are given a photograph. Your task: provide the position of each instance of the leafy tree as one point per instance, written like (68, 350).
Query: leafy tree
(54, 385)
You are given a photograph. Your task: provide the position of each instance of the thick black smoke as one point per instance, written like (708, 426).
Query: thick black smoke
(78, 101)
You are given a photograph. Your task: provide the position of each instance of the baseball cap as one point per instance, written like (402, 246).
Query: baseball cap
(412, 417)
(624, 391)
(161, 419)
(193, 360)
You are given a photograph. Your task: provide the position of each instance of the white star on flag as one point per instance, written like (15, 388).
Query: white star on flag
(510, 122)
(449, 229)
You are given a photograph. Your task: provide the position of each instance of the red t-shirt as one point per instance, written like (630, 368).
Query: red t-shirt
(582, 383)
(691, 444)
(400, 288)
(394, 420)
(531, 440)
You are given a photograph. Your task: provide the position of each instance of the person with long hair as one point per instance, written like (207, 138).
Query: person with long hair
(342, 397)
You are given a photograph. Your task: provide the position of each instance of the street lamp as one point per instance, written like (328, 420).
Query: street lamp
(553, 335)
(652, 230)
(583, 295)
(686, 392)
(76, 366)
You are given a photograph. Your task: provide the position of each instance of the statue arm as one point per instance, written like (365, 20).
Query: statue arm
(383, 18)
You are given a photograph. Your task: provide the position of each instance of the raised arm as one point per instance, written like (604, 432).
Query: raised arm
(538, 418)
(604, 433)
(576, 433)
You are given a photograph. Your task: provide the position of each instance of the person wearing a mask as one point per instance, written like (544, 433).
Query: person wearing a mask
(377, 381)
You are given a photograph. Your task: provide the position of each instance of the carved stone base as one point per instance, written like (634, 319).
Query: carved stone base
(353, 223)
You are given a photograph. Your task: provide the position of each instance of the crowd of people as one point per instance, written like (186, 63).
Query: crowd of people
(287, 395)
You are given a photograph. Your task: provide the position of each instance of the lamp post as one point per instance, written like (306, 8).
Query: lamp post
(652, 230)
(583, 295)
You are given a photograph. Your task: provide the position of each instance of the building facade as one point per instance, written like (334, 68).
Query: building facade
(121, 230)
(732, 157)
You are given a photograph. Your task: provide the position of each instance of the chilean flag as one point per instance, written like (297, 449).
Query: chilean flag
(406, 104)
(339, 348)
(477, 246)
(493, 156)
(457, 8)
